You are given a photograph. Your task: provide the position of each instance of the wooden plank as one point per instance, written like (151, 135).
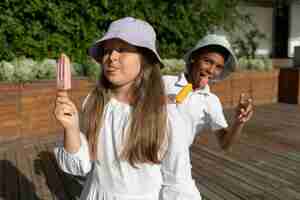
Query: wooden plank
(27, 188)
(269, 120)
(46, 192)
(53, 178)
(8, 112)
(40, 180)
(9, 123)
(270, 183)
(233, 184)
(253, 155)
(40, 123)
(239, 170)
(11, 176)
(2, 175)
(212, 190)
(259, 148)
(275, 150)
(71, 183)
(271, 143)
(269, 179)
(279, 164)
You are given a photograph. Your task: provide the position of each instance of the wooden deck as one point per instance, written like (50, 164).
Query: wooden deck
(264, 165)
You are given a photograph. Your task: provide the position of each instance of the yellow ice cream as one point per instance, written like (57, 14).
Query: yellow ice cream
(182, 94)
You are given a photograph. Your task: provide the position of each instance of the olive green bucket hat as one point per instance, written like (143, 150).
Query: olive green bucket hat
(219, 41)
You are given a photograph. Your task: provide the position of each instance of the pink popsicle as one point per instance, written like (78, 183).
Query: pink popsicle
(63, 73)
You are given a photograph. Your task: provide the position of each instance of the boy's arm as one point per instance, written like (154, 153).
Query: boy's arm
(227, 136)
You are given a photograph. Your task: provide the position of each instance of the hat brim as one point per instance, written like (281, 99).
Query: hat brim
(95, 51)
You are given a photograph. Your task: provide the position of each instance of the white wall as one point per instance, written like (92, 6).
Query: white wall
(263, 17)
(294, 39)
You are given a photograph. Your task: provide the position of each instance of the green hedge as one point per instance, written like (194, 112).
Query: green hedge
(43, 29)
(24, 70)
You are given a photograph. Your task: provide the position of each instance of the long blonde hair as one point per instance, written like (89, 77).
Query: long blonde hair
(147, 130)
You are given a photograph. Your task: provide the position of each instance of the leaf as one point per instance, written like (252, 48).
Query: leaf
(104, 3)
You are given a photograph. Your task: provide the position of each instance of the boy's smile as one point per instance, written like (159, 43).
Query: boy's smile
(206, 66)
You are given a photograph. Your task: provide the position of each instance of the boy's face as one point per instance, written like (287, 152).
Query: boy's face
(206, 66)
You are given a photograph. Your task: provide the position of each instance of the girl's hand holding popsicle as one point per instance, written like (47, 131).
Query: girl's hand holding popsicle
(65, 110)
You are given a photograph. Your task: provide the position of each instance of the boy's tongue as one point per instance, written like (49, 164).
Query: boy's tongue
(202, 83)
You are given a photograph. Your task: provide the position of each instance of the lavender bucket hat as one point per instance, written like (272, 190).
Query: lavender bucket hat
(131, 30)
(215, 40)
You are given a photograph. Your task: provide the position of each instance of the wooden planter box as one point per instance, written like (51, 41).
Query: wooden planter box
(289, 85)
(261, 86)
(27, 109)
(9, 109)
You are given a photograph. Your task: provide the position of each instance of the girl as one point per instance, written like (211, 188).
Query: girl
(125, 118)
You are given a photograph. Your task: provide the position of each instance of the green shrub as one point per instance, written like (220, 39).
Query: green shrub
(173, 66)
(43, 29)
(92, 69)
(255, 64)
(22, 70)
(7, 71)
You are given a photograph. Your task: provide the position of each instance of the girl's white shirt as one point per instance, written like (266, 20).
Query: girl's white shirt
(111, 178)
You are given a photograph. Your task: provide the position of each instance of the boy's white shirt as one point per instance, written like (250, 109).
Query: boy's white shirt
(201, 107)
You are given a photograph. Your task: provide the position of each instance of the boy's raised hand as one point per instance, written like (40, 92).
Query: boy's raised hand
(244, 110)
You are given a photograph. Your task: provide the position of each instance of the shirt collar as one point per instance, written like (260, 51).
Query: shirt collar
(181, 82)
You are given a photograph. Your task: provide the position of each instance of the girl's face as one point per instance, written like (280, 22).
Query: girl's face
(121, 63)
(206, 66)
